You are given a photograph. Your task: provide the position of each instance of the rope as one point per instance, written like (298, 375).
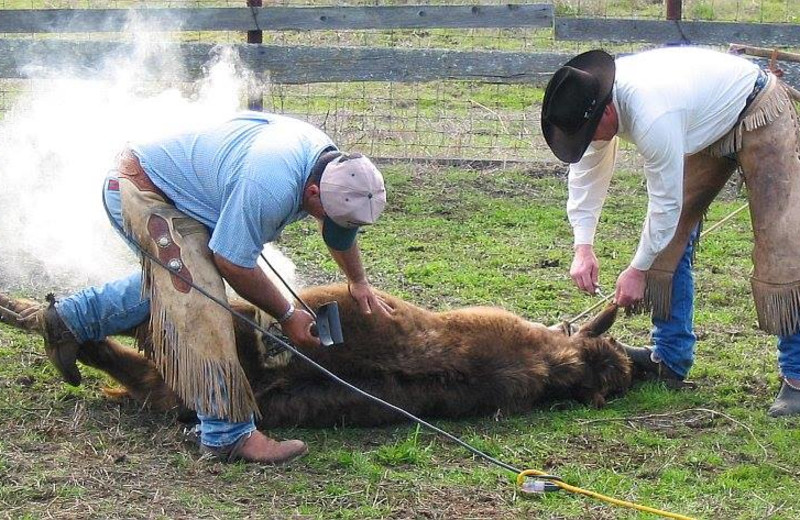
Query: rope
(703, 234)
(590, 309)
(9, 312)
(724, 220)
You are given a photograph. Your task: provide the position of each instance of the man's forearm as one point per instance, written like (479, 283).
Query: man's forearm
(254, 286)
(350, 263)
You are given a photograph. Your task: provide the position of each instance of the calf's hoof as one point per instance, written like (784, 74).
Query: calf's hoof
(787, 402)
(257, 447)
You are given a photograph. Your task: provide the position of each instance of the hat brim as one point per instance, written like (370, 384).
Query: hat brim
(338, 238)
(570, 147)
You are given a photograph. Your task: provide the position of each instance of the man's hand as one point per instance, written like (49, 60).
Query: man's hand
(298, 329)
(368, 301)
(585, 268)
(361, 291)
(630, 287)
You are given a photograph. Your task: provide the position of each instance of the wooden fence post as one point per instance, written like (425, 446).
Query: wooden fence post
(674, 8)
(256, 97)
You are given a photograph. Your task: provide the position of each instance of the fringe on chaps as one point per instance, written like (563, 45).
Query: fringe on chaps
(193, 345)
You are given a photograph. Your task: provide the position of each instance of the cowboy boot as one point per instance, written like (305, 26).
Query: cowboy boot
(60, 344)
(257, 447)
(788, 400)
(647, 366)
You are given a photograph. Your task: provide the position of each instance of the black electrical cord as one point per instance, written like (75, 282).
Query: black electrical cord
(331, 375)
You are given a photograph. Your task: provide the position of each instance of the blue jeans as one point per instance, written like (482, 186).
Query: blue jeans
(674, 339)
(789, 356)
(216, 432)
(94, 313)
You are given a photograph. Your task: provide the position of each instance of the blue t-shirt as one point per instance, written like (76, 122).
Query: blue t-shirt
(243, 179)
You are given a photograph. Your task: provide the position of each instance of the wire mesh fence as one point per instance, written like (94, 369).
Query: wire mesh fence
(451, 119)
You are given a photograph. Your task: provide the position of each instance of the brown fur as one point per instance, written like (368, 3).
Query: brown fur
(466, 362)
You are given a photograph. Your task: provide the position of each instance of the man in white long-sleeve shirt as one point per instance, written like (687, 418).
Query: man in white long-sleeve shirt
(695, 115)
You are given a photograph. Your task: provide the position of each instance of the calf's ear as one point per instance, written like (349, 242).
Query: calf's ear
(600, 323)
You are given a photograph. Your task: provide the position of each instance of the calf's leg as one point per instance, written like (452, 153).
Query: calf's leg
(136, 373)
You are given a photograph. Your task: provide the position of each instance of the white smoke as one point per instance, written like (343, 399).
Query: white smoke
(59, 140)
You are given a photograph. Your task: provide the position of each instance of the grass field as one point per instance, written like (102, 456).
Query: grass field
(450, 238)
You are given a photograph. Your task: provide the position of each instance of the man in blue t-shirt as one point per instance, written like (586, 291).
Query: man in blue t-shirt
(204, 204)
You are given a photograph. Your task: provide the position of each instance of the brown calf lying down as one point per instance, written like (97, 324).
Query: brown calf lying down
(466, 362)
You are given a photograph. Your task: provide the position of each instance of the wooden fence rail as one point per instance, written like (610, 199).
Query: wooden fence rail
(275, 18)
(395, 17)
(21, 57)
(675, 31)
(288, 64)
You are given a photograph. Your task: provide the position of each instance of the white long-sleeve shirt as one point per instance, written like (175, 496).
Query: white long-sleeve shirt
(671, 103)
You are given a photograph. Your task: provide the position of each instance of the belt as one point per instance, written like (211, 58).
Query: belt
(131, 169)
(761, 82)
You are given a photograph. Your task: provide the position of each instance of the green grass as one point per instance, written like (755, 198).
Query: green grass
(450, 238)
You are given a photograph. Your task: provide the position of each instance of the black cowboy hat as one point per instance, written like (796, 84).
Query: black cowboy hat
(574, 101)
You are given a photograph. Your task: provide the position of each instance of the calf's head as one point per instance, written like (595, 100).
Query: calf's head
(607, 369)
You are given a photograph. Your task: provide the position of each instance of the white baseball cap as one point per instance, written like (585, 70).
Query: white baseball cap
(353, 194)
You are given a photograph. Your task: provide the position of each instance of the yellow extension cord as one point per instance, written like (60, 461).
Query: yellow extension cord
(580, 491)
